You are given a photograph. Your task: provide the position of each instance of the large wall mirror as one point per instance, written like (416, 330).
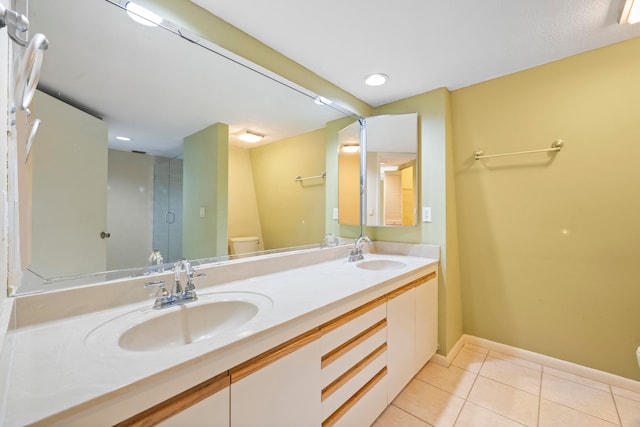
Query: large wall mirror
(139, 149)
(391, 171)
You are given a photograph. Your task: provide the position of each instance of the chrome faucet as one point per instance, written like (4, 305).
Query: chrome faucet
(356, 254)
(178, 294)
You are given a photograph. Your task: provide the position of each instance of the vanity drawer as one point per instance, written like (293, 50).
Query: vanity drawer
(344, 328)
(346, 359)
(351, 385)
(364, 407)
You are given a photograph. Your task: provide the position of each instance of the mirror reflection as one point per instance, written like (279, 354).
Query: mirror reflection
(391, 177)
(140, 150)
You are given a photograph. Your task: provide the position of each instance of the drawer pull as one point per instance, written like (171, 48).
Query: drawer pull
(334, 354)
(333, 418)
(344, 378)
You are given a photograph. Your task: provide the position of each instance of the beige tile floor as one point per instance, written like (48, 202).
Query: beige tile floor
(484, 388)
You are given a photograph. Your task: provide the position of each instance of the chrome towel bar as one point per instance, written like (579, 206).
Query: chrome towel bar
(323, 176)
(555, 147)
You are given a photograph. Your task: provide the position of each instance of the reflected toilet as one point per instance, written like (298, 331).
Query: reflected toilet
(243, 245)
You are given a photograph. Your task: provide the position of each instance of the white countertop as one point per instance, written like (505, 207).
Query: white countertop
(53, 367)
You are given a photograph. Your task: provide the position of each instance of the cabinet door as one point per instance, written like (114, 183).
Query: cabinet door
(426, 321)
(285, 393)
(401, 332)
(210, 412)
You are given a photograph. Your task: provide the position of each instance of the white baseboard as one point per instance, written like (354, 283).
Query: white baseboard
(551, 362)
(448, 359)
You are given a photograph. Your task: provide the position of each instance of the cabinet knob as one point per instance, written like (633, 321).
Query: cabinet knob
(104, 235)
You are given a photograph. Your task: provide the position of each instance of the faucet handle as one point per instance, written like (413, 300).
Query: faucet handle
(154, 283)
(190, 286)
(162, 297)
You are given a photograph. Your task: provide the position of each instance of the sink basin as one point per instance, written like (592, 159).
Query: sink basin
(212, 316)
(187, 324)
(381, 264)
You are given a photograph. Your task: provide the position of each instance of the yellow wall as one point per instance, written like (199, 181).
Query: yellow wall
(549, 244)
(291, 213)
(205, 185)
(409, 207)
(243, 207)
(331, 192)
(349, 188)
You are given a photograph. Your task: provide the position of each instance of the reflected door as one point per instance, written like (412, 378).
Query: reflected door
(69, 190)
(167, 208)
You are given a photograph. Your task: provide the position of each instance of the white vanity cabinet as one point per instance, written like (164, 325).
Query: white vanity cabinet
(203, 405)
(412, 316)
(280, 388)
(343, 372)
(354, 366)
(210, 412)
(426, 294)
(401, 338)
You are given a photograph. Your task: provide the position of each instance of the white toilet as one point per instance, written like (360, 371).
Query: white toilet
(243, 245)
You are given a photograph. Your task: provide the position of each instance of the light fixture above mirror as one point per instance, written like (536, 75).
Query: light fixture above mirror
(350, 148)
(142, 15)
(250, 136)
(630, 12)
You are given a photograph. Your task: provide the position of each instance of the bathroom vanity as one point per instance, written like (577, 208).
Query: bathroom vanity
(295, 339)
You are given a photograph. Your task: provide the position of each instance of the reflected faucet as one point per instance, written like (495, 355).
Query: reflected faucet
(178, 294)
(329, 241)
(356, 254)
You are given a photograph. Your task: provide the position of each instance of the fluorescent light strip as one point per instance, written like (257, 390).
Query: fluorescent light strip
(142, 15)
(630, 12)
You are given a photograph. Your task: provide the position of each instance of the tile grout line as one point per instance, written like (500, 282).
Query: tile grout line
(486, 355)
(576, 409)
(540, 394)
(413, 415)
(466, 399)
(615, 404)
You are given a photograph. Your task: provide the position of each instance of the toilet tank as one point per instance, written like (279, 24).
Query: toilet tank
(243, 245)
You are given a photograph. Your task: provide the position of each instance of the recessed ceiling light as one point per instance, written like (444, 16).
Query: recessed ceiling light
(376, 79)
(250, 136)
(123, 138)
(142, 15)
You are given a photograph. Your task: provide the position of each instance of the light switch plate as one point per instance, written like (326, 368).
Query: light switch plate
(335, 213)
(426, 214)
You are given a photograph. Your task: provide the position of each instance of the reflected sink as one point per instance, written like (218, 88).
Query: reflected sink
(186, 324)
(380, 264)
(212, 316)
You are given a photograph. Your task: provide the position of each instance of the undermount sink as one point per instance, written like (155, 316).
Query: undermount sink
(212, 316)
(381, 264)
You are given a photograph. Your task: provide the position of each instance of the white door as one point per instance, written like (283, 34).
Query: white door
(69, 190)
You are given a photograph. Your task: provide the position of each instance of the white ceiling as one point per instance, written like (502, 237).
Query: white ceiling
(424, 44)
(155, 87)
